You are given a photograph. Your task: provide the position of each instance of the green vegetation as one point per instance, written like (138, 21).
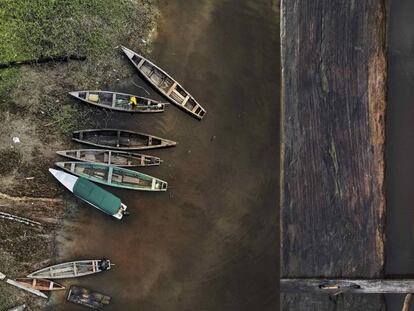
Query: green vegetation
(33, 29)
(30, 29)
(8, 78)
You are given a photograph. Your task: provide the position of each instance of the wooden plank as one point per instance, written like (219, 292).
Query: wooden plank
(332, 170)
(109, 157)
(110, 171)
(113, 99)
(171, 88)
(359, 286)
(118, 137)
(141, 62)
(186, 100)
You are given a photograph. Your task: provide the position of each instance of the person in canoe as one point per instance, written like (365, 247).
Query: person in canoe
(133, 101)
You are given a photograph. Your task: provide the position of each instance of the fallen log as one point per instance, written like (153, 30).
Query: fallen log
(42, 60)
(19, 219)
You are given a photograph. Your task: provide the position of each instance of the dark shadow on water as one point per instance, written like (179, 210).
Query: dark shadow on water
(400, 146)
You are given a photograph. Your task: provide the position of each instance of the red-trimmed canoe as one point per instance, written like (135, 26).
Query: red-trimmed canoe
(40, 284)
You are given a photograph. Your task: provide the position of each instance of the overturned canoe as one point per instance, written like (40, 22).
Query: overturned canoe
(120, 139)
(118, 101)
(112, 157)
(40, 284)
(87, 298)
(92, 194)
(72, 269)
(164, 83)
(114, 176)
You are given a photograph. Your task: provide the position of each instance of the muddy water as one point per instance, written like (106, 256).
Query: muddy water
(210, 242)
(400, 145)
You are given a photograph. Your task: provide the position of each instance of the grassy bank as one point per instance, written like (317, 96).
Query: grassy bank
(35, 107)
(39, 28)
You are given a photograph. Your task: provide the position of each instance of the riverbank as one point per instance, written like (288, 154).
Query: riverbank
(37, 116)
(209, 242)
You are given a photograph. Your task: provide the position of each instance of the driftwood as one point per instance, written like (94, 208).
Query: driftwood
(407, 302)
(332, 185)
(20, 199)
(19, 219)
(42, 60)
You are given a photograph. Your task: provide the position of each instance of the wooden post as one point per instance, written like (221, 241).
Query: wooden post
(332, 170)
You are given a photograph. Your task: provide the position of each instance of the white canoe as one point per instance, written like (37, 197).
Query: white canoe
(165, 84)
(72, 269)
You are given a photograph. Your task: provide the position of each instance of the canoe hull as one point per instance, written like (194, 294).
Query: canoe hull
(87, 298)
(40, 284)
(70, 181)
(120, 139)
(113, 176)
(118, 101)
(72, 269)
(111, 157)
(165, 84)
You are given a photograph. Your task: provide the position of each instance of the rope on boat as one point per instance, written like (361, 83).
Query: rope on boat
(23, 220)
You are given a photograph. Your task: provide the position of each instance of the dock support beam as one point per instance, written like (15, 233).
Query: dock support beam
(333, 132)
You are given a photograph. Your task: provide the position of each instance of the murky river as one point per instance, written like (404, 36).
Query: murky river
(209, 242)
(400, 145)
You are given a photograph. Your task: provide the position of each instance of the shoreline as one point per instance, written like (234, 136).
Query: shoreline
(35, 108)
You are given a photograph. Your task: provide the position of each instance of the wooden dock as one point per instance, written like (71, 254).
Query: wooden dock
(332, 171)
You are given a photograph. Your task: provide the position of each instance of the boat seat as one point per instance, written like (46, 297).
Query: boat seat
(131, 180)
(89, 157)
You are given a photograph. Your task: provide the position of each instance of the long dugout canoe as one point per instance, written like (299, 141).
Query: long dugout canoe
(120, 139)
(118, 101)
(165, 84)
(111, 157)
(114, 176)
(72, 269)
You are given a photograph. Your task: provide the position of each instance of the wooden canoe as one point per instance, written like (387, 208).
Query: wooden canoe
(87, 298)
(114, 176)
(40, 284)
(118, 101)
(120, 139)
(112, 157)
(72, 269)
(165, 84)
(91, 194)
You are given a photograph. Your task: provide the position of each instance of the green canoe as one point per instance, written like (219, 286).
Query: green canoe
(114, 176)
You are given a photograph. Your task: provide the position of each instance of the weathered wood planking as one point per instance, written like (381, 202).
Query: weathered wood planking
(332, 172)
(333, 286)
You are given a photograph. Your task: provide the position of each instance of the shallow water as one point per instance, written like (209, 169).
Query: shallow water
(210, 242)
(400, 146)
